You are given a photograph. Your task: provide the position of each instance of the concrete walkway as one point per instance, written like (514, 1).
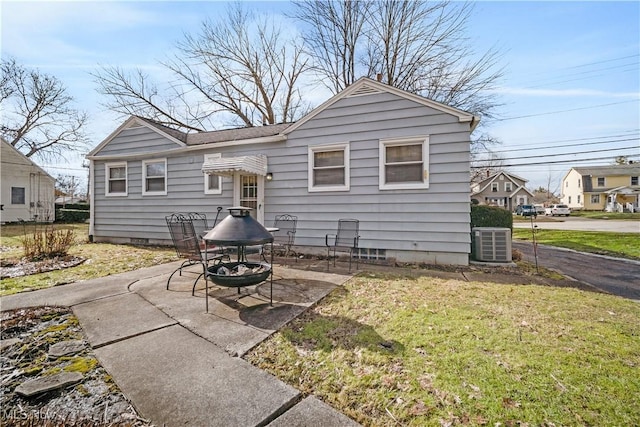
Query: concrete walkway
(180, 365)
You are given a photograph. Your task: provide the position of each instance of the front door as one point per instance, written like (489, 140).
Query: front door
(249, 192)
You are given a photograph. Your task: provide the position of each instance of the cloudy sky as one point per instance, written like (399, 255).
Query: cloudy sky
(571, 89)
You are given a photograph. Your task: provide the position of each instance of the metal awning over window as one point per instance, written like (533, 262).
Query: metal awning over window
(226, 166)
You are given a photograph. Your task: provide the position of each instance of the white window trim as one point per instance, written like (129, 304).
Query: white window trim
(424, 140)
(347, 175)
(144, 178)
(207, 190)
(108, 166)
(508, 186)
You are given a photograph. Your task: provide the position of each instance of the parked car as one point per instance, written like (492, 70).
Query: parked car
(559, 210)
(526, 210)
(540, 210)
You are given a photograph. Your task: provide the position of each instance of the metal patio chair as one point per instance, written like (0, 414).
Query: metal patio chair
(345, 240)
(285, 235)
(189, 245)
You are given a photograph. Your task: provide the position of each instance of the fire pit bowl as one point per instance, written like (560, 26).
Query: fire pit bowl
(238, 280)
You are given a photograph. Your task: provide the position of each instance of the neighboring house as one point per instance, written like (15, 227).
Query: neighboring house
(396, 161)
(69, 200)
(502, 189)
(612, 188)
(27, 192)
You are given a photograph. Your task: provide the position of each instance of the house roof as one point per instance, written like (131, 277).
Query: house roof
(365, 85)
(177, 134)
(26, 159)
(612, 170)
(238, 134)
(487, 181)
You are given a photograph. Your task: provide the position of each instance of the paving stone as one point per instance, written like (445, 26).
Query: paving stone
(312, 412)
(65, 348)
(9, 343)
(53, 382)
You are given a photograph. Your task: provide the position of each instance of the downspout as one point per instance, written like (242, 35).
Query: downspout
(92, 205)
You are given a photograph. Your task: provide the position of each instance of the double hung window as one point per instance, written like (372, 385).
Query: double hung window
(404, 163)
(154, 177)
(329, 168)
(116, 182)
(212, 182)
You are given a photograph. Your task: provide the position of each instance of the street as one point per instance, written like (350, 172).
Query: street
(616, 276)
(583, 224)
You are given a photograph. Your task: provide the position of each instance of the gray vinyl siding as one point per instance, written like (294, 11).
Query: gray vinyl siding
(433, 220)
(137, 140)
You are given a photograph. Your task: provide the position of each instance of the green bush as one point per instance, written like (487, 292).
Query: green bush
(490, 216)
(72, 215)
(77, 206)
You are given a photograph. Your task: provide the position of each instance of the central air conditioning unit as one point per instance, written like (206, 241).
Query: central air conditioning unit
(492, 244)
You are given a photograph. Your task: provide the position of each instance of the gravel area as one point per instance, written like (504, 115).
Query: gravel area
(27, 337)
(25, 268)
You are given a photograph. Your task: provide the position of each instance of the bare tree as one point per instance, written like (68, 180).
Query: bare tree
(419, 46)
(38, 117)
(240, 65)
(336, 30)
(133, 93)
(485, 164)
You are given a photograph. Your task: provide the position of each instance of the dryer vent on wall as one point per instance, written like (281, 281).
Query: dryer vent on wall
(492, 244)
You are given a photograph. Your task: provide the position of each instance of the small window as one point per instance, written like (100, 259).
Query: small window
(566, 184)
(578, 199)
(154, 177)
(494, 187)
(634, 180)
(329, 168)
(579, 182)
(595, 198)
(116, 179)
(404, 163)
(507, 186)
(212, 183)
(569, 199)
(601, 181)
(17, 196)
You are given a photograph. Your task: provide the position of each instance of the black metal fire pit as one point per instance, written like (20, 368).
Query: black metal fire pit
(239, 229)
(234, 280)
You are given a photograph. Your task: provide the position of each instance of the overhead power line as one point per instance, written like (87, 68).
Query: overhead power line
(568, 110)
(601, 159)
(551, 147)
(624, 134)
(571, 154)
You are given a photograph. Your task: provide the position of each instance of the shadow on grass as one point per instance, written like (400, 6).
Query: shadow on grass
(325, 333)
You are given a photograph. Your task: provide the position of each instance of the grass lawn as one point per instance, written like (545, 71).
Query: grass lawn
(606, 215)
(101, 259)
(391, 350)
(624, 245)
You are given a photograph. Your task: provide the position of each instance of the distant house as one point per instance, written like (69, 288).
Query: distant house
(397, 162)
(27, 191)
(612, 188)
(502, 189)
